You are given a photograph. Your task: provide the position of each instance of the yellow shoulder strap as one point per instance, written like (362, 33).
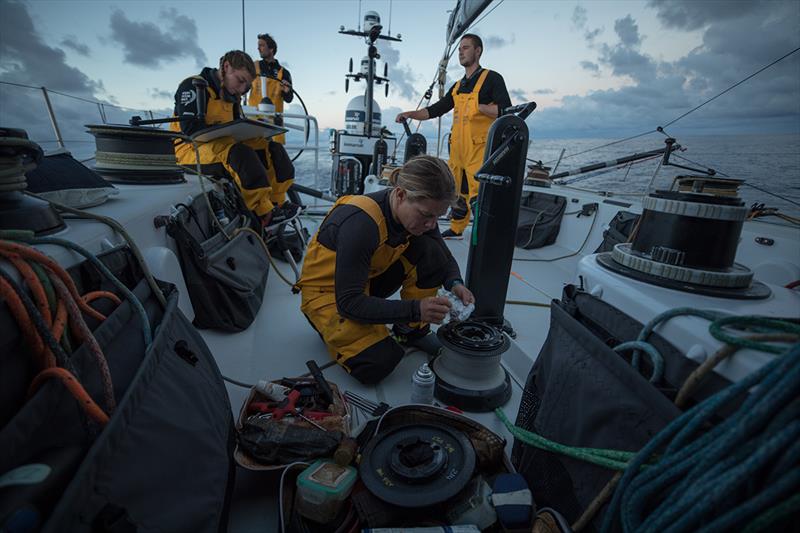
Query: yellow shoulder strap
(370, 207)
(481, 79)
(280, 74)
(454, 92)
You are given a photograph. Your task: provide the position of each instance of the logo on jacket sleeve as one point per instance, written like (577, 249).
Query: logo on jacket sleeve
(187, 97)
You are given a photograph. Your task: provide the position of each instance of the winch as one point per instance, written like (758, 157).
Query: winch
(417, 465)
(468, 371)
(687, 241)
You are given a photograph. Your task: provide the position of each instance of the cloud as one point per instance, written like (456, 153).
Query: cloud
(691, 15)
(591, 35)
(71, 41)
(544, 91)
(657, 91)
(160, 93)
(495, 41)
(579, 17)
(519, 94)
(628, 31)
(590, 66)
(146, 45)
(402, 77)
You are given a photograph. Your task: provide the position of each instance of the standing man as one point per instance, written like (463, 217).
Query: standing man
(476, 101)
(279, 80)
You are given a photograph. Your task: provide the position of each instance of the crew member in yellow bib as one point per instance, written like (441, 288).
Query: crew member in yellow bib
(260, 168)
(367, 248)
(278, 78)
(476, 100)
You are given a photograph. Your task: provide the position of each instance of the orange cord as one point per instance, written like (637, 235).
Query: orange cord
(75, 388)
(17, 308)
(31, 253)
(94, 295)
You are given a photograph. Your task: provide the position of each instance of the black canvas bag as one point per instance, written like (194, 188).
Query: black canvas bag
(164, 460)
(539, 220)
(225, 278)
(582, 393)
(619, 230)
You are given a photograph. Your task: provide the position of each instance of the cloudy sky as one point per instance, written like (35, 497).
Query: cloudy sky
(596, 68)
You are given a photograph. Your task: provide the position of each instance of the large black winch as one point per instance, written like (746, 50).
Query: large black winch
(468, 371)
(687, 241)
(417, 465)
(135, 155)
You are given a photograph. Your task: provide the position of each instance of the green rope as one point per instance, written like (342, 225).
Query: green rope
(756, 322)
(50, 292)
(613, 459)
(475, 225)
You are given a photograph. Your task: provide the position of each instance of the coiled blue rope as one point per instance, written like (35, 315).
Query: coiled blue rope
(692, 484)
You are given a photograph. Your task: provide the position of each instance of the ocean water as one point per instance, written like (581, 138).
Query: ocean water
(768, 163)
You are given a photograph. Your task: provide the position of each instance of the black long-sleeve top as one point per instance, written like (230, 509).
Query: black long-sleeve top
(186, 101)
(493, 91)
(354, 235)
(271, 70)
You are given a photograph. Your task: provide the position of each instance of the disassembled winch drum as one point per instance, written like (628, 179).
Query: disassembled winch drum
(468, 371)
(417, 465)
(687, 242)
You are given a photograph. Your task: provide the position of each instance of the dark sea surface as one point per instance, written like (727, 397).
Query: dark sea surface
(768, 162)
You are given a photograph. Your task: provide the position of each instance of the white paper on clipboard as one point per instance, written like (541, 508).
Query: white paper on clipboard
(240, 130)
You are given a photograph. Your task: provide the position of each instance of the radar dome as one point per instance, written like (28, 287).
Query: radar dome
(371, 18)
(355, 117)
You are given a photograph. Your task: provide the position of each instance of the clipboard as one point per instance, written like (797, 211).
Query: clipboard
(240, 130)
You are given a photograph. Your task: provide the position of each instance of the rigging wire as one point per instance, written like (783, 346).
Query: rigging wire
(784, 198)
(759, 71)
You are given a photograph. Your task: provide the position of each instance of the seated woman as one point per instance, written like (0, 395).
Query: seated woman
(260, 168)
(368, 247)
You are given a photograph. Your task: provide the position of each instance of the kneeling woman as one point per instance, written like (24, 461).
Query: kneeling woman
(368, 247)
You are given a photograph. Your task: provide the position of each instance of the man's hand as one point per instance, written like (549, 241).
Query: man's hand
(433, 309)
(464, 294)
(285, 87)
(490, 110)
(419, 114)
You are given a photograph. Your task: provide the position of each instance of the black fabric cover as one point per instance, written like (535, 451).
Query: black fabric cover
(225, 278)
(164, 460)
(581, 393)
(540, 217)
(619, 229)
(62, 171)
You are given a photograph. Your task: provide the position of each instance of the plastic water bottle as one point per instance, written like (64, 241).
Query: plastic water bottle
(222, 217)
(422, 384)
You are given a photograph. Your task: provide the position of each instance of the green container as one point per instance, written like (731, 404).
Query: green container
(322, 488)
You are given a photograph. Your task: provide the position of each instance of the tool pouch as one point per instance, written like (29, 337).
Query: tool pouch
(225, 275)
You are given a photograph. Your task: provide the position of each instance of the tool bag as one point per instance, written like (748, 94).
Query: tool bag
(539, 220)
(582, 393)
(163, 462)
(225, 276)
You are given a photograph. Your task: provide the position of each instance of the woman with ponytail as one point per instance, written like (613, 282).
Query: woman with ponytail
(367, 248)
(260, 168)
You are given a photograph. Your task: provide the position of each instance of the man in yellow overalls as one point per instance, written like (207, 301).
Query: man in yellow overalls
(279, 80)
(260, 168)
(476, 100)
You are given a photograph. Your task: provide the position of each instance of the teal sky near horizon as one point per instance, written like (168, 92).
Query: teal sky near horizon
(593, 67)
